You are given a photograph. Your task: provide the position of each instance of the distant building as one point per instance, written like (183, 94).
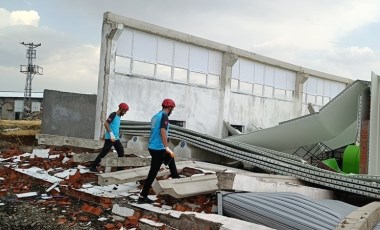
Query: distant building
(12, 104)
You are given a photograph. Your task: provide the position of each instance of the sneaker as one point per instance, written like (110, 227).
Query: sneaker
(144, 200)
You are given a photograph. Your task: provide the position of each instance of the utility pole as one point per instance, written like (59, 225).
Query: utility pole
(30, 70)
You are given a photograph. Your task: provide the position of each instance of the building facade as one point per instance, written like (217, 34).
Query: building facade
(12, 104)
(212, 83)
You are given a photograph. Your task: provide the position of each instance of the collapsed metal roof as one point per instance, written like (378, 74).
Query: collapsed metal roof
(334, 125)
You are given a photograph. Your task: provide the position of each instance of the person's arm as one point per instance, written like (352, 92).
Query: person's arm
(163, 127)
(164, 137)
(107, 125)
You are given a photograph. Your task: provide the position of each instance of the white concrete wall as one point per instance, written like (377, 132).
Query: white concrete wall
(139, 65)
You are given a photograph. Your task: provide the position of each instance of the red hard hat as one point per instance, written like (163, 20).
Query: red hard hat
(168, 103)
(124, 106)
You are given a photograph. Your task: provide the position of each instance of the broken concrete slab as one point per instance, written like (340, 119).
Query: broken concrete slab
(363, 218)
(125, 161)
(85, 157)
(46, 139)
(122, 211)
(254, 182)
(186, 187)
(137, 174)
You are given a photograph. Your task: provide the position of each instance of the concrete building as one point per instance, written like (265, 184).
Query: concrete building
(12, 104)
(212, 83)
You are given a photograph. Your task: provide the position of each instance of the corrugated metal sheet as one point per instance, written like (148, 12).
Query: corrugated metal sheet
(285, 210)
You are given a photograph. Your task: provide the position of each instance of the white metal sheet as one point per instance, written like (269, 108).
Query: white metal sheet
(181, 55)
(269, 76)
(280, 78)
(247, 70)
(144, 47)
(214, 62)
(198, 59)
(165, 51)
(259, 73)
(124, 43)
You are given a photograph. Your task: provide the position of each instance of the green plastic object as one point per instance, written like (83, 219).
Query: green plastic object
(332, 163)
(351, 159)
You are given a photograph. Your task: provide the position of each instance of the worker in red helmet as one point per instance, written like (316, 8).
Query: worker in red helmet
(159, 149)
(112, 125)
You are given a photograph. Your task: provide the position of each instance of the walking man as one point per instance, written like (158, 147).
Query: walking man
(159, 149)
(112, 125)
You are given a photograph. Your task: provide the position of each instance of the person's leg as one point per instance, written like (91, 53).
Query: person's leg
(120, 151)
(173, 169)
(106, 148)
(157, 158)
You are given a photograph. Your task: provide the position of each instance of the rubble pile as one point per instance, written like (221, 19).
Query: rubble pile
(45, 189)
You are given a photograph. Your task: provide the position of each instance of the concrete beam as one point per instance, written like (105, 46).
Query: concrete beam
(46, 139)
(85, 157)
(131, 175)
(264, 183)
(124, 161)
(364, 218)
(187, 187)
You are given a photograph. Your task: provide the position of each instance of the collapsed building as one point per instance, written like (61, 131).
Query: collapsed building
(313, 136)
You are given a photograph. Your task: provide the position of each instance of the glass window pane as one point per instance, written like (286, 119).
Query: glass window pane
(279, 93)
(245, 87)
(268, 91)
(326, 100)
(289, 95)
(143, 68)
(213, 80)
(197, 78)
(163, 72)
(123, 65)
(180, 75)
(310, 99)
(258, 90)
(234, 84)
(319, 100)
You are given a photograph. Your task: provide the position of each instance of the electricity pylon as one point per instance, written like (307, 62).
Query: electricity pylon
(30, 70)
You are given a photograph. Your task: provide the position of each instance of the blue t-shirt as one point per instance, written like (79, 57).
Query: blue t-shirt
(114, 122)
(160, 120)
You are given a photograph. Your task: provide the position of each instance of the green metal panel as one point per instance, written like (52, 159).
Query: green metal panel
(351, 159)
(332, 163)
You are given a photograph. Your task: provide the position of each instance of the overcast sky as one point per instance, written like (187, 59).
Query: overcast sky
(339, 37)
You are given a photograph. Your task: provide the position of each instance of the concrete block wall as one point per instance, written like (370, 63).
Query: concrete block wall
(68, 114)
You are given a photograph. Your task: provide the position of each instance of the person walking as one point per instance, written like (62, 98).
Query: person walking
(159, 149)
(112, 125)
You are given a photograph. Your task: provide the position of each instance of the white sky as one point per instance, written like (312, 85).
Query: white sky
(336, 37)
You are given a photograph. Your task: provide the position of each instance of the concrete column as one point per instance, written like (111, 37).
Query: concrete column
(228, 61)
(111, 32)
(374, 127)
(300, 80)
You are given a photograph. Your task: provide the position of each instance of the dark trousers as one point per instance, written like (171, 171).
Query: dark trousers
(106, 148)
(157, 160)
